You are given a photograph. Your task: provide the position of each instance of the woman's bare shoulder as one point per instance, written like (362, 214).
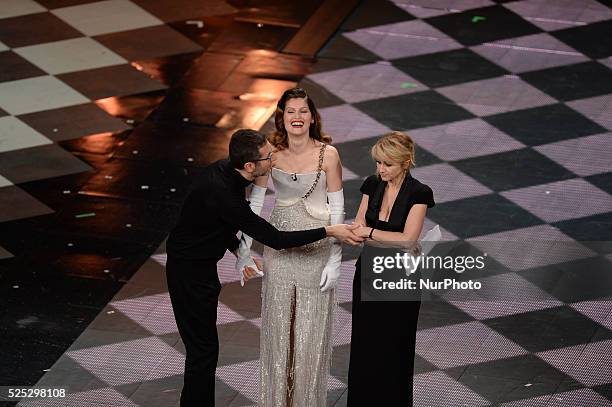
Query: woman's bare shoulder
(331, 154)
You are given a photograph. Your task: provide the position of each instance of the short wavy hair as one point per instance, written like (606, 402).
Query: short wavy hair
(395, 148)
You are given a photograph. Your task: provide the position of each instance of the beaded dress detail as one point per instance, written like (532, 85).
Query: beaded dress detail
(296, 321)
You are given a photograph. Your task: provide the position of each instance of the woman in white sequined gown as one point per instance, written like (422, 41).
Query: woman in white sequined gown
(298, 284)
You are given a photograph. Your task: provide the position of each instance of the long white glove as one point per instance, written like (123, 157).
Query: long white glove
(243, 254)
(331, 272)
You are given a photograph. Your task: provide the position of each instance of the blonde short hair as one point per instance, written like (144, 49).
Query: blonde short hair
(395, 148)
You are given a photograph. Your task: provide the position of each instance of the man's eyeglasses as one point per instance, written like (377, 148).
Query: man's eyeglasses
(269, 157)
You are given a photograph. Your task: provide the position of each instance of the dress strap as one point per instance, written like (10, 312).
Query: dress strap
(319, 169)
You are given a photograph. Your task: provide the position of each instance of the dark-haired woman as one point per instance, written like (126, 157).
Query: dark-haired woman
(298, 284)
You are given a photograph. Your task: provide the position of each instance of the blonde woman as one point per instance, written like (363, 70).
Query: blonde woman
(298, 284)
(392, 209)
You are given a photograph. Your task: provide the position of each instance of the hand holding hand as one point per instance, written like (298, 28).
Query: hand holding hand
(344, 233)
(362, 231)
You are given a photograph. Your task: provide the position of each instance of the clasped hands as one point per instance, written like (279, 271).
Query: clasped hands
(353, 234)
(362, 231)
(344, 233)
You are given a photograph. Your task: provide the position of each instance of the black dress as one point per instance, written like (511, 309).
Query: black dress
(384, 333)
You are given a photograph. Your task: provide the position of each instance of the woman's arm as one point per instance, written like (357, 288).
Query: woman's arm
(261, 181)
(335, 197)
(410, 234)
(333, 169)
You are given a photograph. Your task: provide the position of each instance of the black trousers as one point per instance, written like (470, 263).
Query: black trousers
(194, 289)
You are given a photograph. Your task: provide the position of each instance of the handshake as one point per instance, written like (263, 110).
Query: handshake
(345, 233)
(342, 232)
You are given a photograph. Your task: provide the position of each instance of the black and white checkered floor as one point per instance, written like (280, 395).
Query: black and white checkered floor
(510, 104)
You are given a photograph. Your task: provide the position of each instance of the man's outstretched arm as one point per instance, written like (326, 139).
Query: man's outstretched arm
(238, 214)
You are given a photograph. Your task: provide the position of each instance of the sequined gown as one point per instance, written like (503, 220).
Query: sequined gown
(296, 320)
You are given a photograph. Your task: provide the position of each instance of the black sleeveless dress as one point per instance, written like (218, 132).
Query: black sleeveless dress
(384, 333)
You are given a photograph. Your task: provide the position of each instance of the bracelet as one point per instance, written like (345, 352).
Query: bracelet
(370, 235)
